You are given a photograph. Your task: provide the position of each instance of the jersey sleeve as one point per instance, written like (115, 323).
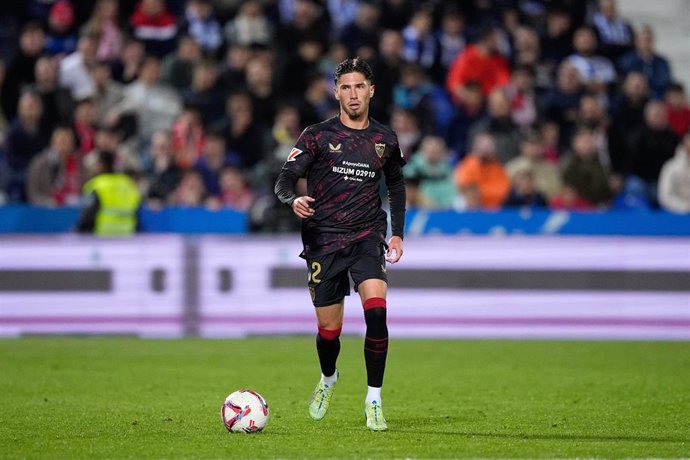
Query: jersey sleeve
(395, 183)
(296, 165)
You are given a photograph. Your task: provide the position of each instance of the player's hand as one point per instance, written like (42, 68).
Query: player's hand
(395, 249)
(302, 207)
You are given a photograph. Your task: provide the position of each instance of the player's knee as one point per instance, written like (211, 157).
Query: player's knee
(375, 310)
(330, 333)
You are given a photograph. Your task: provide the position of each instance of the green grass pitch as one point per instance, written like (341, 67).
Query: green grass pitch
(130, 398)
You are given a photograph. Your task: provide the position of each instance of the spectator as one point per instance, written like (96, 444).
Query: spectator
(342, 13)
(406, 126)
(204, 93)
(415, 92)
(419, 42)
(678, 109)
(112, 201)
(107, 92)
(154, 104)
(301, 67)
(480, 63)
(645, 59)
(450, 41)
(61, 38)
(319, 103)
(362, 35)
(556, 40)
(526, 50)
(126, 69)
(85, 124)
(523, 192)
(211, 161)
(243, 135)
(674, 180)
(21, 69)
(190, 193)
(104, 23)
(596, 71)
(235, 192)
(57, 101)
(470, 112)
(178, 67)
(26, 138)
(306, 22)
(386, 67)
(261, 88)
(584, 173)
(164, 173)
(202, 25)
(592, 115)
(233, 68)
(652, 146)
(614, 32)
(432, 174)
(544, 174)
(155, 26)
(520, 92)
(250, 26)
(481, 170)
(187, 136)
(395, 14)
(55, 176)
(75, 69)
(499, 124)
(561, 104)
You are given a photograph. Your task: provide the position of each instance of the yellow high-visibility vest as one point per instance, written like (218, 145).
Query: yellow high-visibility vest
(119, 200)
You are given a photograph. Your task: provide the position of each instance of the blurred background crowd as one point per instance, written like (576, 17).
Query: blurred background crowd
(559, 104)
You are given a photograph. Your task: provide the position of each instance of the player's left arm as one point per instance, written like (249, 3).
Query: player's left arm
(395, 183)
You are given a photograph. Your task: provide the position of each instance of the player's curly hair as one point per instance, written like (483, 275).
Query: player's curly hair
(354, 65)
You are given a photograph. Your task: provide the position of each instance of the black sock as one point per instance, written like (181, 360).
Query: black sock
(375, 345)
(328, 351)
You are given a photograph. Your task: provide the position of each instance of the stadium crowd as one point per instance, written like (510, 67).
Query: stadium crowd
(537, 103)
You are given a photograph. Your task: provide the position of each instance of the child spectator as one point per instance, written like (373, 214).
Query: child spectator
(211, 161)
(190, 193)
(523, 193)
(678, 109)
(235, 192)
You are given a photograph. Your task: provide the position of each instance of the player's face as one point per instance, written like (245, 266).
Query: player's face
(354, 92)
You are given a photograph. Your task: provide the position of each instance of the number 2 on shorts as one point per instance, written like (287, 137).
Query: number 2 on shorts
(315, 271)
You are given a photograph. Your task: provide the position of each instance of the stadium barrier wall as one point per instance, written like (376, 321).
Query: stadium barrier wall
(455, 287)
(28, 219)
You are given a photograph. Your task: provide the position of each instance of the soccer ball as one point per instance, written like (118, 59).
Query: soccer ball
(244, 411)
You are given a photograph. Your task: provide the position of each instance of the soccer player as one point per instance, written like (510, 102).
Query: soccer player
(344, 227)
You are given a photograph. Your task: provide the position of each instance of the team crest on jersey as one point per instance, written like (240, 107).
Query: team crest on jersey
(294, 153)
(334, 148)
(380, 149)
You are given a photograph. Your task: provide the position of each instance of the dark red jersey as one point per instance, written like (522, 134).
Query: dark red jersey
(343, 168)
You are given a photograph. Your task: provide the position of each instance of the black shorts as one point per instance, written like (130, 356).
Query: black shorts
(328, 274)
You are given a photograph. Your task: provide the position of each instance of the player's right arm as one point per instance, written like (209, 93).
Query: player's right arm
(297, 165)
